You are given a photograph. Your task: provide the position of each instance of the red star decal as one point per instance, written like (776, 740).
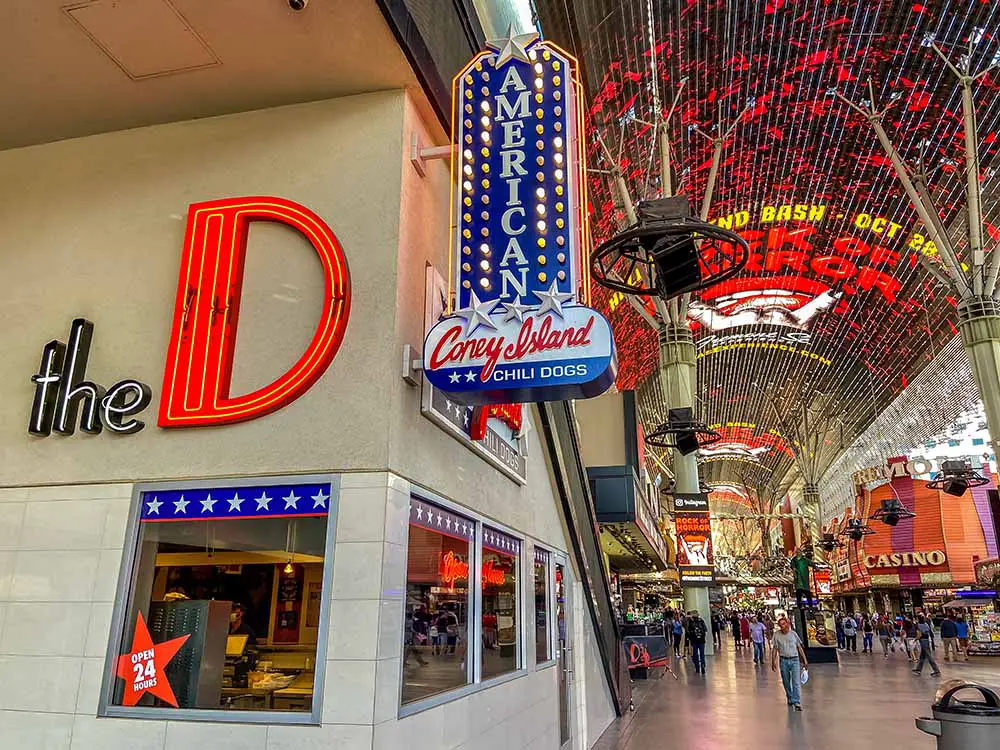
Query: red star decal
(143, 668)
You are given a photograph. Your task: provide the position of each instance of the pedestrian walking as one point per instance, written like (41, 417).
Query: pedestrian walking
(757, 633)
(949, 637)
(744, 629)
(697, 631)
(885, 635)
(838, 622)
(910, 637)
(924, 638)
(868, 633)
(734, 623)
(717, 629)
(963, 636)
(677, 632)
(851, 633)
(787, 649)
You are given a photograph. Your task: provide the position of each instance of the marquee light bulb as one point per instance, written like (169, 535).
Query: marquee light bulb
(558, 158)
(485, 265)
(467, 186)
(485, 121)
(538, 70)
(484, 248)
(539, 83)
(468, 153)
(541, 209)
(484, 105)
(484, 283)
(540, 192)
(541, 226)
(486, 139)
(557, 142)
(467, 169)
(559, 174)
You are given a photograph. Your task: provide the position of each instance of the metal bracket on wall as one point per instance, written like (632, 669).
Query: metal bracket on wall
(411, 366)
(419, 156)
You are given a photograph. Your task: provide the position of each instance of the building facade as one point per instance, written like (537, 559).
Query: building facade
(328, 558)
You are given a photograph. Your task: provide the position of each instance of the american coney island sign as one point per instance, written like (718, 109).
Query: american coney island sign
(519, 327)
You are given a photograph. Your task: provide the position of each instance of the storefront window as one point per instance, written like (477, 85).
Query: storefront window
(224, 608)
(543, 648)
(437, 601)
(501, 632)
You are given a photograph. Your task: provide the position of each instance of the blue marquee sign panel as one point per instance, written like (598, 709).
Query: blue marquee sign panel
(521, 330)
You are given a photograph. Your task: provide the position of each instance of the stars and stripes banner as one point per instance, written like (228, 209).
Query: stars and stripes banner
(250, 501)
(500, 542)
(438, 519)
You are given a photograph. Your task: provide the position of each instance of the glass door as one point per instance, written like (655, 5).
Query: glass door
(564, 647)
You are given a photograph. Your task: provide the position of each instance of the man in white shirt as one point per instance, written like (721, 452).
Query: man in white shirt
(787, 646)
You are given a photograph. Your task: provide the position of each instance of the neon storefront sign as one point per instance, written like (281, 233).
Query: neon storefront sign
(453, 568)
(198, 372)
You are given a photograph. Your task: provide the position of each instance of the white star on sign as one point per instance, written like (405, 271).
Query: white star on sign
(552, 300)
(208, 504)
(470, 377)
(477, 314)
(154, 506)
(235, 502)
(180, 506)
(319, 499)
(291, 500)
(420, 513)
(514, 311)
(262, 501)
(454, 377)
(513, 46)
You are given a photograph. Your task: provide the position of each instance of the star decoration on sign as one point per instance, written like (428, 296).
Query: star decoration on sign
(143, 668)
(552, 300)
(235, 502)
(470, 376)
(454, 377)
(513, 46)
(291, 500)
(477, 314)
(514, 311)
(180, 506)
(319, 499)
(208, 504)
(153, 506)
(262, 502)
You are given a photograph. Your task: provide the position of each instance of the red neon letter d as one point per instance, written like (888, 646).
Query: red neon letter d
(199, 365)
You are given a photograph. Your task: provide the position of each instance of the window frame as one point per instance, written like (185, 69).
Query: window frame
(550, 601)
(124, 592)
(475, 629)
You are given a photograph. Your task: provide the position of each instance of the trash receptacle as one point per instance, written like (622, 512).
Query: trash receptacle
(964, 725)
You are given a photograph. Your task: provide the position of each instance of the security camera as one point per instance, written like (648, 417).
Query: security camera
(298, 4)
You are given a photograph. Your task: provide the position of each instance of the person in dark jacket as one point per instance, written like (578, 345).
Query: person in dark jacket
(717, 629)
(949, 636)
(697, 630)
(924, 637)
(734, 623)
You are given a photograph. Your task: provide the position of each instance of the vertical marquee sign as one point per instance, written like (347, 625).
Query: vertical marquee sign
(522, 330)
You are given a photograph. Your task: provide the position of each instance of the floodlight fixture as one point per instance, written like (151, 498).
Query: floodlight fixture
(683, 432)
(829, 542)
(955, 477)
(857, 529)
(892, 512)
(668, 252)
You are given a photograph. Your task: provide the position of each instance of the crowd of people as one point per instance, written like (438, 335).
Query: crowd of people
(912, 634)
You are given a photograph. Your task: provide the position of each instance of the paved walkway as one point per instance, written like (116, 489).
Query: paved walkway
(865, 702)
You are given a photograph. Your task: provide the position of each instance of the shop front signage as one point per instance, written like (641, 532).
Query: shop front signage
(695, 557)
(61, 389)
(898, 468)
(520, 329)
(687, 502)
(199, 358)
(906, 559)
(143, 668)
